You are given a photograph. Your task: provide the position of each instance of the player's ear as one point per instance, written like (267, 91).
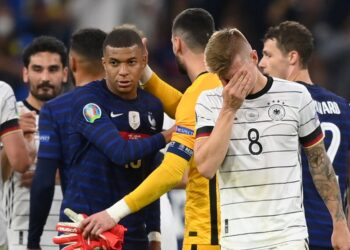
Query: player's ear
(293, 57)
(254, 56)
(65, 74)
(144, 58)
(176, 41)
(25, 74)
(103, 60)
(72, 63)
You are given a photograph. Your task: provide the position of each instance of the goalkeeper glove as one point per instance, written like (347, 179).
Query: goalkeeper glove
(72, 235)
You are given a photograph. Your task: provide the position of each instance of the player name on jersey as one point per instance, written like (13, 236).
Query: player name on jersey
(328, 107)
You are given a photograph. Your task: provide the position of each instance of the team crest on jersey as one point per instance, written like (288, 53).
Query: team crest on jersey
(91, 112)
(251, 115)
(277, 112)
(152, 121)
(134, 119)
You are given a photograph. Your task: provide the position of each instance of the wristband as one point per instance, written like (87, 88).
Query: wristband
(146, 76)
(154, 236)
(118, 211)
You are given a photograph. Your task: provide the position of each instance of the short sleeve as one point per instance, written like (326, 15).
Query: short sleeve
(8, 112)
(309, 130)
(50, 143)
(204, 116)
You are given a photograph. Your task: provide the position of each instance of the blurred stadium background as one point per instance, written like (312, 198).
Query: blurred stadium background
(329, 20)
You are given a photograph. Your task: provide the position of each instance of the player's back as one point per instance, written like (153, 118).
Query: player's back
(334, 115)
(54, 135)
(201, 208)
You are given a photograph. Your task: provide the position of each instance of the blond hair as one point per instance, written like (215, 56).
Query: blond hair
(223, 47)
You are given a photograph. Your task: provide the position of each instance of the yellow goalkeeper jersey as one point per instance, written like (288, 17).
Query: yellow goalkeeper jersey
(202, 203)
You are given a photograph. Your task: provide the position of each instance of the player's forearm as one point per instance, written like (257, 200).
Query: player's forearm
(210, 151)
(325, 181)
(163, 179)
(41, 196)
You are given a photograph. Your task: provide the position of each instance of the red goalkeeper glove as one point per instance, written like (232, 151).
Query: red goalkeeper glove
(73, 238)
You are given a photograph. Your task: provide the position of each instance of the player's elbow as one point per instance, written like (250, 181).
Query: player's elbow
(205, 170)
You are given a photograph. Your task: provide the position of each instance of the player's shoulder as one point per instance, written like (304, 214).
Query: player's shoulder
(5, 88)
(93, 87)
(65, 97)
(204, 81)
(286, 85)
(210, 94)
(147, 97)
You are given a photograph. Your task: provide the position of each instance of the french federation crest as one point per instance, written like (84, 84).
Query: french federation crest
(152, 121)
(277, 112)
(91, 112)
(134, 119)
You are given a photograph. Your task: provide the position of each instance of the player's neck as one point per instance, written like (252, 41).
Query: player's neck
(37, 104)
(301, 75)
(195, 65)
(83, 78)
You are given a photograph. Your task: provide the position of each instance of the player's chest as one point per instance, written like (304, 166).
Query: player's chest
(133, 117)
(268, 115)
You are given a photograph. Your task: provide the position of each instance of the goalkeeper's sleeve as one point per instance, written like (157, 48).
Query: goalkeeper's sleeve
(168, 95)
(41, 196)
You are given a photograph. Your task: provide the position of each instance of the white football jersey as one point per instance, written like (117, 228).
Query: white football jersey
(260, 178)
(7, 113)
(16, 200)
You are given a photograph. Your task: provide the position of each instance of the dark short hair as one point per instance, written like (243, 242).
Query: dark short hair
(291, 35)
(195, 26)
(122, 37)
(45, 44)
(88, 43)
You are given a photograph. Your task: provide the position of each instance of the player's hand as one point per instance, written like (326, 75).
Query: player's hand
(72, 235)
(236, 89)
(27, 122)
(27, 178)
(168, 133)
(97, 223)
(340, 236)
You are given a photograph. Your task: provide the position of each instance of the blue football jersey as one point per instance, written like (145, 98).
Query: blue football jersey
(53, 127)
(334, 115)
(113, 143)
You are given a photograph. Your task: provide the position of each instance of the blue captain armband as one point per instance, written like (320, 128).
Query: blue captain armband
(184, 130)
(180, 150)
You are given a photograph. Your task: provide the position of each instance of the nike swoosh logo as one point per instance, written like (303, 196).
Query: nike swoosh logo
(113, 115)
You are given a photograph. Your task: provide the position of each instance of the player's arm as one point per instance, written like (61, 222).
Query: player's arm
(152, 218)
(27, 125)
(17, 151)
(210, 151)
(212, 140)
(325, 181)
(321, 169)
(168, 95)
(43, 186)
(101, 132)
(41, 197)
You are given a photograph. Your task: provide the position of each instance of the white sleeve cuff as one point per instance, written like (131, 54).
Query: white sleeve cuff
(118, 211)
(154, 236)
